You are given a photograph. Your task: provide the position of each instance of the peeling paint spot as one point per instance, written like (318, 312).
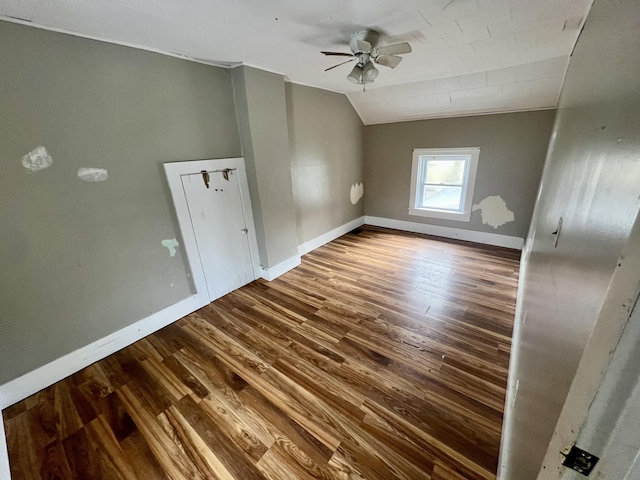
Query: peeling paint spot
(357, 191)
(93, 174)
(171, 244)
(494, 211)
(37, 159)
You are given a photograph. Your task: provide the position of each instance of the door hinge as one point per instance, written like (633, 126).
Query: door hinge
(579, 460)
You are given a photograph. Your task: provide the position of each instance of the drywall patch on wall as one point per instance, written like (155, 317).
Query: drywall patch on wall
(37, 159)
(93, 174)
(494, 211)
(356, 193)
(171, 244)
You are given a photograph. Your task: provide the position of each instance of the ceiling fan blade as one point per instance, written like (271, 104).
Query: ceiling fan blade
(395, 49)
(363, 46)
(338, 54)
(330, 68)
(390, 61)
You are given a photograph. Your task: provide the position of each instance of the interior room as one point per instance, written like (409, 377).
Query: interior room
(319, 240)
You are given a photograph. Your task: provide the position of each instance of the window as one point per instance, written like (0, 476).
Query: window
(442, 182)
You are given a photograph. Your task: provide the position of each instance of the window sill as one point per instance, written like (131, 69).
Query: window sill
(424, 212)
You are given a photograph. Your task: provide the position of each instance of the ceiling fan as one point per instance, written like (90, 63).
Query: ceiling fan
(365, 50)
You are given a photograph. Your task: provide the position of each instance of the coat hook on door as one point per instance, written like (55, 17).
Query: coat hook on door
(205, 178)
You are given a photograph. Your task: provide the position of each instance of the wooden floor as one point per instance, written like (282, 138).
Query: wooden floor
(383, 356)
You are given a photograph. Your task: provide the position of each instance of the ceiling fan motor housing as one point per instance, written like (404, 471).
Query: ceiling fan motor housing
(370, 36)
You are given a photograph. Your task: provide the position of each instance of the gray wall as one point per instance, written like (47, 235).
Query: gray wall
(325, 144)
(591, 180)
(512, 152)
(82, 260)
(262, 118)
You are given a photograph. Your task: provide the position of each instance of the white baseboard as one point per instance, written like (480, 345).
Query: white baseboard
(320, 240)
(281, 268)
(34, 381)
(447, 232)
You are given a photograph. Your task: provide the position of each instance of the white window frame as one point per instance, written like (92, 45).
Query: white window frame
(464, 214)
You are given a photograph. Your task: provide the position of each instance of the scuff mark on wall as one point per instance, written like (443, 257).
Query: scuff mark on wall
(171, 244)
(93, 174)
(356, 193)
(494, 211)
(37, 159)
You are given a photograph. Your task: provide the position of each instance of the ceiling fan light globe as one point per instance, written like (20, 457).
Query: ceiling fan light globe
(356, 75)
(369, 72)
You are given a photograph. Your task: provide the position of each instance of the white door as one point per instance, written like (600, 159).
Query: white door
(215, 209)
(601, 414)
(216, 224)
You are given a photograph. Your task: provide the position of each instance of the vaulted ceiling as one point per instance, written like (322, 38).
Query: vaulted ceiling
(469, 56)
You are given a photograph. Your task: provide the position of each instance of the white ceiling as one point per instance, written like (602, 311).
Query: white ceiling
(469, 56)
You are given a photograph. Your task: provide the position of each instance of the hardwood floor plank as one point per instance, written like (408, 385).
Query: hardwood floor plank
(344, 468)
(300, 465)
(441, 472)
(273, 468)
(165, 378)
(474, 387)
(230, 456)
(14, 411)
(383, 356)
(454, 428)
(169, 455)
(186, 377)
(280, 425)
(157, 399)
(53, 462)
(107, 449)
(196, 449)
(83, 461)
(22, 447)
(116, 415)
(433, 446)
(235, 419)
(141, 459)
(441, 395)
(323, 387)
(396, 441)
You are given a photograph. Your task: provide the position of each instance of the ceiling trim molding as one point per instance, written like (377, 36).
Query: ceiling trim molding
(257, 67)
(319, 88)
(65, 31)
(460, 115)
